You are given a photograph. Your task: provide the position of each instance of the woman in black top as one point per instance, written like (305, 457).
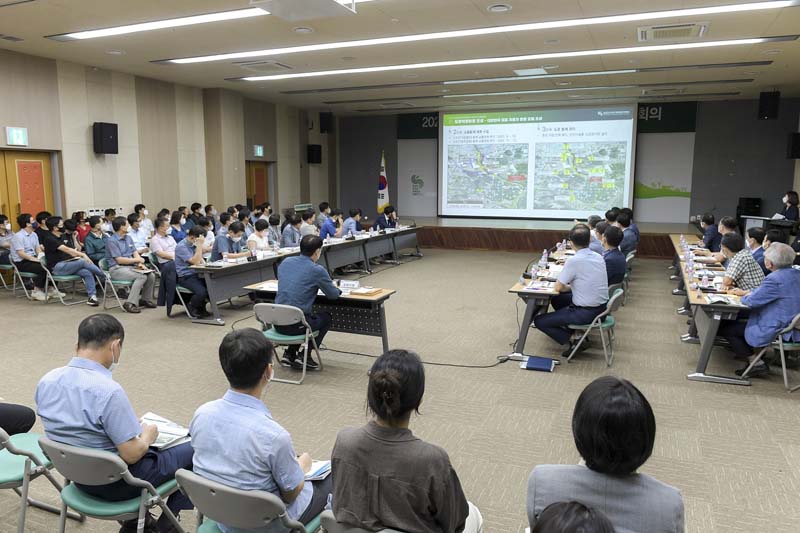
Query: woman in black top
(790, 201)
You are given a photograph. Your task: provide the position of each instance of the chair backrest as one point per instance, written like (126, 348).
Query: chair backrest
(613, 288)
(241, 509)
(795, 324)
(103, 264)
(84, 465)
(330, 525)
(154, 261)
(278, 315)
(614, 302)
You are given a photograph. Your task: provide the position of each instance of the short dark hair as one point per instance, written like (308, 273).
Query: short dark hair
(261, 224)
(70, 224)
(175, 217)
(593, 220)
(729, 222)
(571, 517)
(163, 213)
(23, 219)
(388, 210)
(161, 222)
(611, 215)
(792, 197)
(208, 208)
(757, 234)
(294, 219)
(355, 211)
(182, 208)
(98, 330)
(579, 235)
(336, 212)
(133, 217)
(244, 355)
(118, 222)
(623, 219)
(613, 235)
(774, 235)
(274, 219)
(309, 214)
(628, 211)
(310, 244)
(110, 211)
(396, 385)
(236, 227)
(52, 222)
(94, 220)
(204, 221)
(138, 207)
(196, 231)
(707, 219)
(231, 209)
(613, 426)
(244, 214)
(601, 227)
(224, 218)
(196, 206)
(733, 242)
(323, 206)
(41, 216)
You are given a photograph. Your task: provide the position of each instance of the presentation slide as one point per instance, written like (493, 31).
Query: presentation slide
(551, 163)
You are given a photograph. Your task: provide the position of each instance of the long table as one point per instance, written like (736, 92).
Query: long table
(350, 313)
(536, 302)
(707, 317)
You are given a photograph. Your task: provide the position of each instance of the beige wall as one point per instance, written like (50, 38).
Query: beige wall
(260, 128)
(29, 99)
(288, 188)
(224, 142)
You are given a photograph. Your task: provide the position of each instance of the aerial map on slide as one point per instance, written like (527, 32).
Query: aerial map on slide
(488, 176)
(579, 176)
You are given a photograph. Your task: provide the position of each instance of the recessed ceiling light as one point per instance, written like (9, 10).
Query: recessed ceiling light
(563, 83)
(533, 57)
(303, 30)
(115, 52)
(530, 72)
(394, 21)
(574, 96)
(543, 91)
(551, 41)
(499, 8)
(569, 23)
(348, 58)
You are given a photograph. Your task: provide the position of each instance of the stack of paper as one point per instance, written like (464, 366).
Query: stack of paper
(319, 470)
(169, 433)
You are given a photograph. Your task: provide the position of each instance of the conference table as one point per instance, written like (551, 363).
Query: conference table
(708, 317)
(358, 314)
(225, 280)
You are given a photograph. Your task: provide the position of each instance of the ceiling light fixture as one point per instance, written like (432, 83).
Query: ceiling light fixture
(499, 8)
(115, 52)
(509, 59)
(303, 30)
(570, 23)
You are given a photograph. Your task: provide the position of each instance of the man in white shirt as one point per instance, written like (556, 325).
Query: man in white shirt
(162, 244)
(307, 227)
(146, 223)
(139, 235)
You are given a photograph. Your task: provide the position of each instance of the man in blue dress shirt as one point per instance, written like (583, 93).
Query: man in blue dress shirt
(333, 225)
(351, 223)
(629, 239)
(583, 285)
(189, 253)
(597, 228)
(755, 242)
(230, 244)
(125, 264)
(628, 211)
(299, 279)
(81, 405)
(237, 442)
(616, 266)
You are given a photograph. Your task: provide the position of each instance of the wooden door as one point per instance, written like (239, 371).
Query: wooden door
(28, 181)
(257, 182)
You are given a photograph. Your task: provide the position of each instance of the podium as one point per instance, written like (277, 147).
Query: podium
(755, 222)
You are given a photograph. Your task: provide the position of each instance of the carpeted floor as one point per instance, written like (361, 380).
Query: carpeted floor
(733, 451)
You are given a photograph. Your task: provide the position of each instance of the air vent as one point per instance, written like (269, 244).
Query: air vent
(263, 66)
(11, 38)
(396, 105)
(672, 32)
(667, 91)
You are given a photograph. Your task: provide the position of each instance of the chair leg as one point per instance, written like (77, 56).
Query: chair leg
(316, 350)
(142, 511)
(62, 518)
(50, 508)
(171, 516)
(23, 506)
(755, 361)
(578, 344)
(302, 376)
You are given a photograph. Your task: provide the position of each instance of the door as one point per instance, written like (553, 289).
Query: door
(27, 186)
(257, 182)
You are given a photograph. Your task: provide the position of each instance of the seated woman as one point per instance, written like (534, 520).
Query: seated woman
(259, 239)
(773, 306)
(83, 227)
(572, 517)
(419, 490)
(614, 430)
(176, 223)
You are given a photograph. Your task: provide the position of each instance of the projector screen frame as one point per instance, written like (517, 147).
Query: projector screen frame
(628, 199)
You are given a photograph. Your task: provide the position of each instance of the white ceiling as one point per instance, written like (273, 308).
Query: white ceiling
(32, 21)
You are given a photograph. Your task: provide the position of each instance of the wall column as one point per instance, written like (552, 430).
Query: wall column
(223, 112)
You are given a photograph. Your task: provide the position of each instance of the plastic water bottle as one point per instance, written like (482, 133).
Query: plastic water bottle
(350, 234)
(704, 281)
(564, 245)
(543, 259)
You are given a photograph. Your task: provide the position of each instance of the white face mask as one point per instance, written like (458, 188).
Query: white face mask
(8, 226)
(785, 199)
(183, 221)
(236, 239)
(146, 212)
(114, 364)
(169, 230)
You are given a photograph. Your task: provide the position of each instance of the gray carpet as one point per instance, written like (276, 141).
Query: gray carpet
(733, 451)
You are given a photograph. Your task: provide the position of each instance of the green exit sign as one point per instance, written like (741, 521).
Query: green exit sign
(16, 136)
(258, 150)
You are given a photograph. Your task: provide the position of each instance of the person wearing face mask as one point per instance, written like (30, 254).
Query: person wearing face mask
(307, 226)
(259, 239)
(145, 223)
(162, 244)
(64, 260)
(256, 214)
(261, 455)
(95, 241)
(108, 216)
(5, 240)
(125, 263)
(138, 234)
(230, 245)
(25, 249)
(177, 222)
(189, 253)
(244, 218)
(790, 211)
(755, 242)
(82, 405)
(40, 227)
(324, 214)
(196, 211)
(333, 225)
(213, 216)
(82, 229)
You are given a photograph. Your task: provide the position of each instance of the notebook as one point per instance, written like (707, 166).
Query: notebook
(169, 433)
(319, 470)
(541, 364)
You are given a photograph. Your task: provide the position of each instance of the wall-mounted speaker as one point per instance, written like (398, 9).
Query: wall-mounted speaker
(325, 122)
(314, 154)
(768, 104)
(794, 146)
(105, 138)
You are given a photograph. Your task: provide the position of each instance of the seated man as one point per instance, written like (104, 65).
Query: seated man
(773, 305)
(108, 216)
(387, 220)
(611, 215)
(307, 226)
(628, 211)
(324, 213)
(230, 245)
(145, 222)
(333, 225)
(16, 419)
(291, 232)
(208, 226)
(244, 218)
(743, 270)
(225, 220)
(138, 234)
(726, 225)
(41, 225)
(81, 405)
(596, 243)
(351, 224)
(257, 451)
(162, 244)
(629, 239)
(616, 266)
(300, 279)
(711, 235)
(583, 285)
(25, 250)
(64, 260)
(125, 263)
(755, 243)
(95, 242)
(189, 253)
(5, 240)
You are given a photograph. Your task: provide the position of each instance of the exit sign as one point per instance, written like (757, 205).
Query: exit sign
(16, 136)
(258, 150)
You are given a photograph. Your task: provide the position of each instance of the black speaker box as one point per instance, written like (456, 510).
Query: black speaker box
(794, 146)
(314, 154)
(325, 122)
(105, 138)
(768, 104)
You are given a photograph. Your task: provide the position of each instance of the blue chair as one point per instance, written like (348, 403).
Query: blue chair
(782, 347)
